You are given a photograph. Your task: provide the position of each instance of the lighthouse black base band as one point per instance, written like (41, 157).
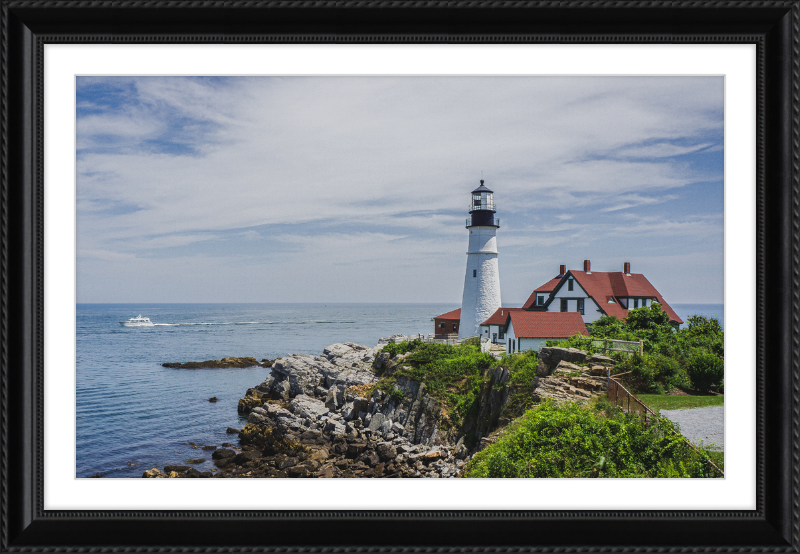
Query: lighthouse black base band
(483, 218)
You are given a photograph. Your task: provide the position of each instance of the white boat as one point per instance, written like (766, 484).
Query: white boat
(137, 321)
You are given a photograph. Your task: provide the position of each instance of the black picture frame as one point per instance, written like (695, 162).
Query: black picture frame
(774, 526)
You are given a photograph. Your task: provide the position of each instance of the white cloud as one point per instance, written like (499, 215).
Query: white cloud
(395, 155)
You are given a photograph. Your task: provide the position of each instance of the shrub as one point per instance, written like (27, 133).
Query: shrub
(570, 440)
(705, 369)
(522, 371)
(649, 373)
(401, 347)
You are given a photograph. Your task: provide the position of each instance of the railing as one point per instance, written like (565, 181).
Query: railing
(622, 397)
(448, 338)
(614, 345)
(635, 345)
(495, 221)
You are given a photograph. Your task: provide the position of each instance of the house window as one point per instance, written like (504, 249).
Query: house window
(455, 326)
(441, 326)
(474, 272)
(563, 304)
(569, 284)
(635, 302)
(500, 334)
(540, 300)
(580, 305)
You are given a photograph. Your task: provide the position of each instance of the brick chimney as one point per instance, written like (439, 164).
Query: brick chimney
(562, 270)
(626, 268)
(587, 266)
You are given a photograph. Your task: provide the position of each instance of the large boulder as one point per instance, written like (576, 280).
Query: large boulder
(335, 397)
(307, 407)
(550, 356)
(345, 364)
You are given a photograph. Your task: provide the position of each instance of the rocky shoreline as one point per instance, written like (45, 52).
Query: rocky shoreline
(321, 416)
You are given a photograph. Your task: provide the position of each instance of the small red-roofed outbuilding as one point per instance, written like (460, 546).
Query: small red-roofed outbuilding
(446, 325)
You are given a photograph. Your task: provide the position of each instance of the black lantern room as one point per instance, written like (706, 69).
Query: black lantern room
(482, 208)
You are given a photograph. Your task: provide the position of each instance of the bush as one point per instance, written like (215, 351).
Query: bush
(570, 440)
(522, 371)
(401, 347)
(649, 373)
(705, 369)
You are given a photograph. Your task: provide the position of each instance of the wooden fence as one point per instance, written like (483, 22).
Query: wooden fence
(622, 397)
(610, 345)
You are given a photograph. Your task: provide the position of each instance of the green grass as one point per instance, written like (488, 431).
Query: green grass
(670, 402)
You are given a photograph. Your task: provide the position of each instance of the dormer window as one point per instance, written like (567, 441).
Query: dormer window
(540, 300)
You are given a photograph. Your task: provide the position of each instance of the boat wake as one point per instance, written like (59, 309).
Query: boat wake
(252, 323)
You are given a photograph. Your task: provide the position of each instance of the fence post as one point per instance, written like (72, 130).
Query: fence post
(641, 347)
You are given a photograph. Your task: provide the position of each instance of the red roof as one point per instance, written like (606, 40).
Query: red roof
(602, 286)
(455, 314)
(500, 316)
(549, 286)
(547, 325)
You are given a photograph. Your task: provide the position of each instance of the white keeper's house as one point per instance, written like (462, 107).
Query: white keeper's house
(564, 305)
(594, 294)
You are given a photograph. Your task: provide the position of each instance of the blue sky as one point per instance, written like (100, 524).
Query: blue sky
(355, 189)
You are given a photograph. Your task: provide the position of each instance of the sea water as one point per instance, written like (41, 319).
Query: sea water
(133, 414)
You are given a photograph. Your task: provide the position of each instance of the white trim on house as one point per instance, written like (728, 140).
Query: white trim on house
(591, 311)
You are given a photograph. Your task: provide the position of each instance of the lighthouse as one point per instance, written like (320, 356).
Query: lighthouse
(482, 282)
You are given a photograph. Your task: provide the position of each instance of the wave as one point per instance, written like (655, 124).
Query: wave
(253, 323)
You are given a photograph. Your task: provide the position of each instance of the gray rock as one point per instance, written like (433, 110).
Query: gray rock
(307, 407)
(599, 359)
(386, 451)
(258, 416)
(550, 356)
(334, 427)
(335, 397)
(380, 360)
(397, 428)
(376, 422)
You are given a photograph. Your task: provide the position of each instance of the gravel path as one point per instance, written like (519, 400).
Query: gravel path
(700, 424)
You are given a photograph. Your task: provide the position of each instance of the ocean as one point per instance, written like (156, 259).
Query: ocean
(133, 414)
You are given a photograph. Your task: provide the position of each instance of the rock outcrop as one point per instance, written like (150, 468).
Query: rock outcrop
(494, 396)
(551, 356)
(309, 418)
(570, 382)
(223, 363)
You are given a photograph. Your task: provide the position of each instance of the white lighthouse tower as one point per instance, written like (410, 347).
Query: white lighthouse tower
(482, 282)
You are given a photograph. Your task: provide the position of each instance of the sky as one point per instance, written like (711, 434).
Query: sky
(356, 189)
